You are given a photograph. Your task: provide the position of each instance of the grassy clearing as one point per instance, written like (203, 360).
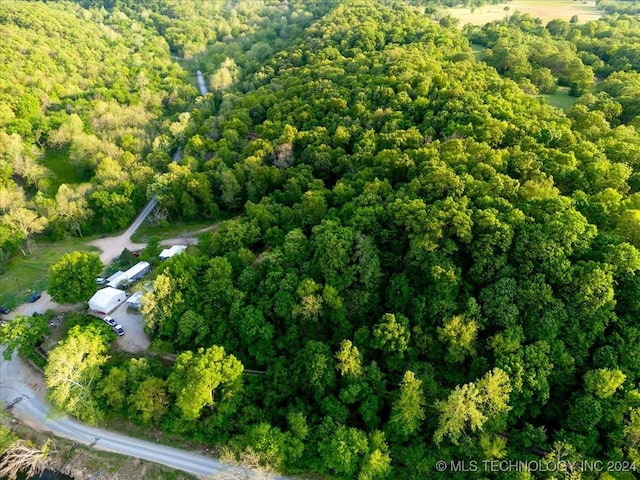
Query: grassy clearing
(477, 51)
(178, 229)
(57, 161)
(27, 274)
(561, 99)
(544, 9)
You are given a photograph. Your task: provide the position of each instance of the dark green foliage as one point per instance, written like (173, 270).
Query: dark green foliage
(418, 247)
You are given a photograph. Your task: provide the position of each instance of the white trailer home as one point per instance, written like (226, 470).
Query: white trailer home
(138, 271)
(170, 252)
(117, 279)
(106, 300)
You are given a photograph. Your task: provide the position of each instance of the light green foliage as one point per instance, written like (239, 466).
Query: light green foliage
(26, 223)
(73, 278)
(73, 370)
(476, 246)
(407, 411)
(114, 388)
(204, 378)
(342, 450)
(23, 334)
(391, 334)
(87, 92)
(150, 400)
(469, 407)
(460, 336)
(603, 382)
(349, 359)
(632, 434)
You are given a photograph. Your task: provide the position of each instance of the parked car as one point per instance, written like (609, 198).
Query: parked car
(110, 321)
(119, 330)
(55, 322)
(101, 280)
(4, 310)
(35, 297)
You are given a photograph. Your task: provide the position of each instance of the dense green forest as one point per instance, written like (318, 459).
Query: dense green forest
(427, 260)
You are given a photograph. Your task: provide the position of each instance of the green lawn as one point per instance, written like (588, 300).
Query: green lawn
(178, 229)
(477, 51)
(561, 99)
(27, 274)
(57, 161)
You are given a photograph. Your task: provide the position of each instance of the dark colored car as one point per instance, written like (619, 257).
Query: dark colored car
(4, 310)
(35, 297)
(119, 330)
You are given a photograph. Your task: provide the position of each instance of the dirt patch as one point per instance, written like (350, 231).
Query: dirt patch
(190, 238)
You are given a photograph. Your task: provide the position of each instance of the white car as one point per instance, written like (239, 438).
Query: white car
(101, 280)
(119, 330)
(109, 321)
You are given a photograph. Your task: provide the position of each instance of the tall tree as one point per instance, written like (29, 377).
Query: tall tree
(73, 278)
(407, 411)
(27, 222)
(23, 334)
(73, 369)
(471, 405)
(204, 378)
(72, 206)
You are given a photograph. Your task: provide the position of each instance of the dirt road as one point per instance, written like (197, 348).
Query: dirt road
(28, 406)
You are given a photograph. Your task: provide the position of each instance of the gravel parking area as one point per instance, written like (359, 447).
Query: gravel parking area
(40, 306)
(134, 338)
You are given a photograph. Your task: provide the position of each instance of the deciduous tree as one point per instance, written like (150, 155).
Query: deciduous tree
(73, 278)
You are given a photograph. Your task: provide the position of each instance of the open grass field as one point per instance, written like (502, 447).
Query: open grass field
(27, 274)
(543, 9)
(57, 161)
(561, 99)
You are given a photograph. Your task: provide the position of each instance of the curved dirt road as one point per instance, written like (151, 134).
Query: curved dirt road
(28, 407)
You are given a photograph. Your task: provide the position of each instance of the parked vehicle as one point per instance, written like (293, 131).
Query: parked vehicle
(101, 280)
(55, 322)
(4, 310)
(35, 297)
(119, 330)
(110, 321)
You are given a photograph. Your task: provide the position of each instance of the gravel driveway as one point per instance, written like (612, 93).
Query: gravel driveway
(134, 338)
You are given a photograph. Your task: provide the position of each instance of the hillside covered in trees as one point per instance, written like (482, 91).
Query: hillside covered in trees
(428, 261)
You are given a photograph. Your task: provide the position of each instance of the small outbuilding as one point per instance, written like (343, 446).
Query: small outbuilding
(106, 300)
(170, 252)
(134, 300)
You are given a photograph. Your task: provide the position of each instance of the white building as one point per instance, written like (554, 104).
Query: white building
(138, 271)
(170, 252)
(117, 279)
(106, 300)
(134, 300)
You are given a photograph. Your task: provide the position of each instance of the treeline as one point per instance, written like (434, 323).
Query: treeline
(541, 58)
